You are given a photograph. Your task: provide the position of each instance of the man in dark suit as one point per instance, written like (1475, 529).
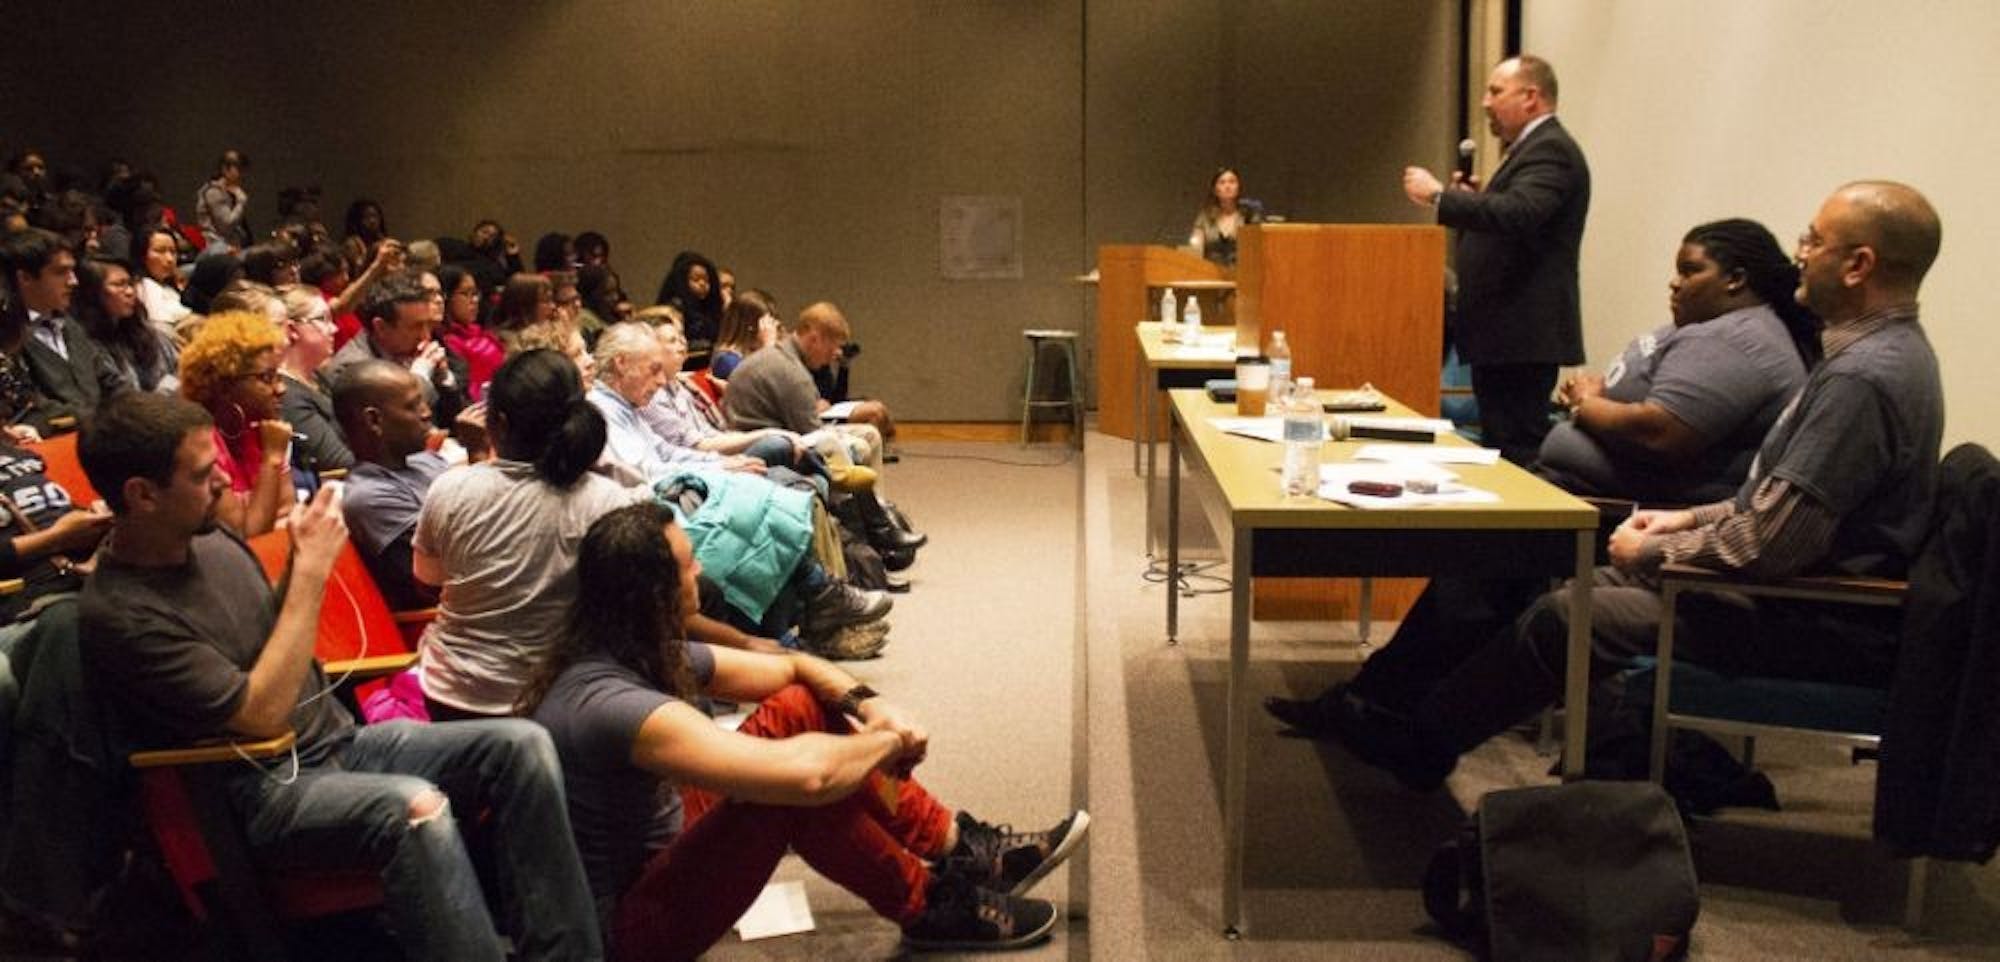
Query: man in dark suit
(1518, 241)
(71, 375)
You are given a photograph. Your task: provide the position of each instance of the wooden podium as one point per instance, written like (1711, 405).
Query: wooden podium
(1358, 303)
(1128, 277)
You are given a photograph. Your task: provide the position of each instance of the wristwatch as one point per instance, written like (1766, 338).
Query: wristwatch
(850, 703)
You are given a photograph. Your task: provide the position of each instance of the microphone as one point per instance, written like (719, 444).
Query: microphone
(1466, 148)
(1343, 429)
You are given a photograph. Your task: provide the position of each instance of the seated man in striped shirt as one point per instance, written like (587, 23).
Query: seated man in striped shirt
(1843, 483)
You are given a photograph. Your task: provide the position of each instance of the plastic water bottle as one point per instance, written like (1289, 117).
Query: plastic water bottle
(1304, 432)
(1280, 355)
(1191, 320)
(1168, 332)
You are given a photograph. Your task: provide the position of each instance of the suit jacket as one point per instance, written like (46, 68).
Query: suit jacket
(77, 384)
(308, 409)
(1518, 244)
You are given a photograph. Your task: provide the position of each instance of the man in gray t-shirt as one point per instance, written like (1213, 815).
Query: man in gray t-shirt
(180, 623)
(387, 422)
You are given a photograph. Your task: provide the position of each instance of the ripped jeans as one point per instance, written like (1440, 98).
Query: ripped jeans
(355, 810)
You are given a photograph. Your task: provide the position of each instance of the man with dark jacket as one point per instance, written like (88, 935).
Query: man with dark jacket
(1518, 243)
(69, 371)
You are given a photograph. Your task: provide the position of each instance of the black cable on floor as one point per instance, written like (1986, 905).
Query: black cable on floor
(1191, 573)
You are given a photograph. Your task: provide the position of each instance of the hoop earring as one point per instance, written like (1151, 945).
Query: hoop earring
(242, 421)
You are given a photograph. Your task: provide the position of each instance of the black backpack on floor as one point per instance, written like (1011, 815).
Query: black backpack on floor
(1585, 871)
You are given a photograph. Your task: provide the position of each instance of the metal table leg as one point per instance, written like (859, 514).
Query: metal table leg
(1173, 533)
(1235, 764)
(1576, 683)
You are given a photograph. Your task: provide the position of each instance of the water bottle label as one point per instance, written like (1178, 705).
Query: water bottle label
(1281, 369)
(1304, 429)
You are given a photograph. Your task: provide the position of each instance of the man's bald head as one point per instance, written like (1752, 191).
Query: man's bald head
(1898, 223)
(370, 383)
(821, 331)
(382, 412)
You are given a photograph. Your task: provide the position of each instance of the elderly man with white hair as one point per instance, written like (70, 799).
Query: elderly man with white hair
(631, 369)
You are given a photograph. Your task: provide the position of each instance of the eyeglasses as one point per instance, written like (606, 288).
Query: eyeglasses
(270, 378)
(568, 301)
(1811, 243)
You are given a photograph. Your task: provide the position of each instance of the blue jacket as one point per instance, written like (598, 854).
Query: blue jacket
(748, 533)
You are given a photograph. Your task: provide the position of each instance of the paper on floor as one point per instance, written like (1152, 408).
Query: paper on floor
(780, 909)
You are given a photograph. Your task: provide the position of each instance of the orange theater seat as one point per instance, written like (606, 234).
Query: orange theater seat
(59, 455)
(358, 634)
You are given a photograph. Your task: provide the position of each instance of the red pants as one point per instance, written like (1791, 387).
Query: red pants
(697, 887)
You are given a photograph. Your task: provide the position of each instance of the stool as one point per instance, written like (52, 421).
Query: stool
(1072, 397)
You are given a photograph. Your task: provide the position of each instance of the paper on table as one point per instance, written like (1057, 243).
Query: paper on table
(1431, 453)
(780, 909)
(1449, 493)
(1342, 473)
(1221, 346)
(1263, 429)
(1434, 425)
(839, 412)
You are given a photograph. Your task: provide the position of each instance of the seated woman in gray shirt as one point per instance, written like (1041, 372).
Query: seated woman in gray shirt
(1678, 417)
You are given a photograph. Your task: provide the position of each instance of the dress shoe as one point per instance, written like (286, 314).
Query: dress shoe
(892, 538)
(896, 586)
(897, 560)
(1376, 735)
(1310, 717)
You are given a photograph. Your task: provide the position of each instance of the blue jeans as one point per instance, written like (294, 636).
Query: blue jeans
(354, 810)
(779, 454)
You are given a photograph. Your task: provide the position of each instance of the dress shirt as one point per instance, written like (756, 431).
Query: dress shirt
(48, 329)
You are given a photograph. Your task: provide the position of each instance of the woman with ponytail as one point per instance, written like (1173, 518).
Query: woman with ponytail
(499, 538)
(1679, 416)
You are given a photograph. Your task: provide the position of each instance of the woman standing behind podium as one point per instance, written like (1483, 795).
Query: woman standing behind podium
(1225, 210)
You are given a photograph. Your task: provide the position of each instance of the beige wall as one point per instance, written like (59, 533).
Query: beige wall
(806, 144)
(1697, 110)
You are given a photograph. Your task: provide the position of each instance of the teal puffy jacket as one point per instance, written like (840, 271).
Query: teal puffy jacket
(748, 534)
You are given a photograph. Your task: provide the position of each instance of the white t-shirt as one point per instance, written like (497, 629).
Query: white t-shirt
(507, 543)
(163, 304)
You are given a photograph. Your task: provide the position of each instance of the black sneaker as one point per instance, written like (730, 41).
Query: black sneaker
(1012, 862)
(960, 914)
